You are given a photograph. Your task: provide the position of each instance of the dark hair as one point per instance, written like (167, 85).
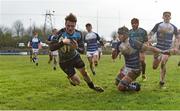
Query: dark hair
(88, 25)
(71, 18)
(134, 20)
(54, 29)
(167, 12)
(123, 30)
(35, 32)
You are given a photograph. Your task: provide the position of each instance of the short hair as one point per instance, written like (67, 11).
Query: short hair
(71, 17)
(88, 25)
(166, 12)
(134, 20)
(35, 32)
(123, 30)
(54, 29)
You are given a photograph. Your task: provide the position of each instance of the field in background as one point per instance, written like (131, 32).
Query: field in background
(25, 86)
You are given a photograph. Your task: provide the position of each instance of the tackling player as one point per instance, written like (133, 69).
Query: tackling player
(130, 49)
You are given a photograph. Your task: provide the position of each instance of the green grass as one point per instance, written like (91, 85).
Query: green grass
(25, 86)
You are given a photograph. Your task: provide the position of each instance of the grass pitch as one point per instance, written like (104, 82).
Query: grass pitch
(24, 86)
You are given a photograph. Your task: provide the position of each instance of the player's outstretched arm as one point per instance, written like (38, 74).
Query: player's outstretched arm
(151, 48)
(172, 51)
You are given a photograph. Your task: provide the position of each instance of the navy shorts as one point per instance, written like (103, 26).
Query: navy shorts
(69, 66)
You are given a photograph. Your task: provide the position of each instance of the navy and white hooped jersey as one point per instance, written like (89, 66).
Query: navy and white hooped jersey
(130, 50)
(139, 35)
(164, 33)
(51, 37)
(114, 43)
(92, 39)
(66, 52)
(35, 41)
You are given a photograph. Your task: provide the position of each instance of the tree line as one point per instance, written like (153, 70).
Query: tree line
(11, 37)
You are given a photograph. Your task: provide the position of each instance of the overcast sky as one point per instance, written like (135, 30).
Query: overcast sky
(105, 15)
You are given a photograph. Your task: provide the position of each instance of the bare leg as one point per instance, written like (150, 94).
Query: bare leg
(50, 57)
(156, 61)
(54, 62)
(74, 80)
(163, 69)
(143, 64)
(90, 59)
(95, 60)
(30, 55)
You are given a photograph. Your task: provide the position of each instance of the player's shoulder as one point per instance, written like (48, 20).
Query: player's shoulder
(142, 29)
(159, 23)
(61, 31)
(78, 31)
(173, 25)
(95, 33)
(131, 30)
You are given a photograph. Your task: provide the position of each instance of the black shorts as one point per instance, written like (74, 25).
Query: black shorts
(69, 66)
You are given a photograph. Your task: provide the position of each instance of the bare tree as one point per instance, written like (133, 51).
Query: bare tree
(19, 29)
(5, 30)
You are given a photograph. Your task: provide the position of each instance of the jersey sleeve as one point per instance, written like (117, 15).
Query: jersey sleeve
(56, 44)
(80, 42)
(99, 39)
(175, 31)
(155, 28)
(49, 38)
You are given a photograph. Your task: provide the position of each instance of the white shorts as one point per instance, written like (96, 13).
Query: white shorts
(35, 50)
(90, 54)
(54, 53)
(100, 49)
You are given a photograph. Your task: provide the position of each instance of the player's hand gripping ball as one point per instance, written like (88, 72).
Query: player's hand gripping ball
(73, 44)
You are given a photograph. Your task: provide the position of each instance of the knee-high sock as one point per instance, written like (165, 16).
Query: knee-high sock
(143, 67)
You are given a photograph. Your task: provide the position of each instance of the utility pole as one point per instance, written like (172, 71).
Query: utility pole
(48, 22)
(30, 33)
(97, 20)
